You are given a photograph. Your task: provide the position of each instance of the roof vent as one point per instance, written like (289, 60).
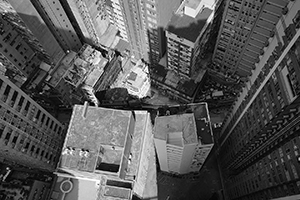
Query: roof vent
(85, 107)
(84, 153)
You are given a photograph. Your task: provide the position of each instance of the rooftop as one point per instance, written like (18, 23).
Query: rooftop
(88, 64)
(180, 125)
(138, 82)
(96, 73)
(78, 189)
(192, 3)
(200, 114)
(188, 27)
(96, 139)
(170, 78)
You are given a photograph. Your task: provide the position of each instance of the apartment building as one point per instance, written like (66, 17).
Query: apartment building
(88, 18)
(29, 135)
(183, 138)
(259, 141)
(116, 15)
(184, 35)
(142, 24)
(244, 33)
(108, 164)
(17, 55)
(35, 24)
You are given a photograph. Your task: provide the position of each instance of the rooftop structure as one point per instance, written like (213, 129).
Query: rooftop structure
(109, 147)
(188, 27)
(85, 69)
(180, 126)
(101, 151)
(181, 89)
(138, 82)
(183, 137)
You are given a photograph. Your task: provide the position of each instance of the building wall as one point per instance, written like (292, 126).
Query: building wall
(244, 32)
(90, 18)
(262, 162)
(156, 16)
(116, 16)
(16, 50)
(161, 151)
(59, 24)
(39, 190)
(29, 135)
(180, 54)
(187, 158)
(143, 22)
(141, 180)
(38, 27)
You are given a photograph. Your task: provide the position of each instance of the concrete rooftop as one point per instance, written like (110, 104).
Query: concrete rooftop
(100, 131)
(188, 27)
(192, 3)
(175, 124)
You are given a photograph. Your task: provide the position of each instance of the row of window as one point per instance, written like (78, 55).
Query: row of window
(15, 100)
(272, 92)
(24, 144)
(282, 166)
(265, 70)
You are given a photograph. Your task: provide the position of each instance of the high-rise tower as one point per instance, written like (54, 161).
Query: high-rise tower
(244, 33)
(259, 142)
(36, 25)
(143, 24)
(29, 135)
(88, 18)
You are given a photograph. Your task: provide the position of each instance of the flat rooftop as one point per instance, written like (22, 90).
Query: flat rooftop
(181, 125)
(96, 73)
(188, 27)
(96, 139)
(87, 189)
(198, 111)
(192, 3)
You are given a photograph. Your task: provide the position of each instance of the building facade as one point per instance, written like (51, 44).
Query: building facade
(39, 29)
(184, 35)
(244, 33)
(58, 23)
(259, 142)
(116, 15)
(29, 135)
(88, 19)
(19, 59)
(143, 23)
(183, 139)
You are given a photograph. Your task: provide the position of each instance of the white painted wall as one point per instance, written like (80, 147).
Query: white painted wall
(160, 146)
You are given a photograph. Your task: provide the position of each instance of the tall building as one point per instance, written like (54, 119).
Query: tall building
(88, 17)
(117, 17)
(183, 139)
(35, 24)
(17, 55)
(105, 154)
(259, 142)
(184, 35)
(56, 19)
(29, 135)
(143, 23)
(244, 33)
